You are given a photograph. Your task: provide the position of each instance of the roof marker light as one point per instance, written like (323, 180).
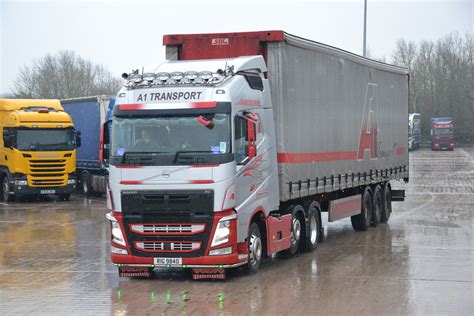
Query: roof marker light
(135, 78)
(162, 77)
(177, 76)
(149, 76)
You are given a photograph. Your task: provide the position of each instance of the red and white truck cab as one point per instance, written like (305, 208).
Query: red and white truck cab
(197, 182)
(219, 162)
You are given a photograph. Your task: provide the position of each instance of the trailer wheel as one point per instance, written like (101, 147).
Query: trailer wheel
(7, 197)
(296, 232)
(86, 183)
(387, 204)
(255, 248)
(361, 222)
(377, 203)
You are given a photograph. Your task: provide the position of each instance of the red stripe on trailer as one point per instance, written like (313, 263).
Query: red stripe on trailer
(130, 107)
(131, 182)
(297, 158)
(201, 181)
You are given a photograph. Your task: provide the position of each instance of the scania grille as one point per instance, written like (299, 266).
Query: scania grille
(47, 172)
(168, 222)
(168, 229)
(167, 246)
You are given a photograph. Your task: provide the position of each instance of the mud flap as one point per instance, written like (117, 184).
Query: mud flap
(144, 272)
(209, 273)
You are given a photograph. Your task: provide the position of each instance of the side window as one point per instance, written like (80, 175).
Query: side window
(242, 137)
(240, 143)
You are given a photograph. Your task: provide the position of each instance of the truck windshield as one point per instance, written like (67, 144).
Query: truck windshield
(172, 137)
(443, 131)
(45, 139)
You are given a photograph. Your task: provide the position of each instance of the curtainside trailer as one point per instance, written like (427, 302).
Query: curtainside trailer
(92, 116)
(233, 148)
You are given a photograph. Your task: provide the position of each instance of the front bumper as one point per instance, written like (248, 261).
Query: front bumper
(28, 190)
(200, 259)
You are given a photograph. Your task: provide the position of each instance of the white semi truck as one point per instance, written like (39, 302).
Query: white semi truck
(230, 151)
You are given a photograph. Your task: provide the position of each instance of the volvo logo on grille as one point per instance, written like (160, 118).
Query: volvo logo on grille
(129, 192)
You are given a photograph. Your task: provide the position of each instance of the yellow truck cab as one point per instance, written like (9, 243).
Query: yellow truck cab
(37, 149)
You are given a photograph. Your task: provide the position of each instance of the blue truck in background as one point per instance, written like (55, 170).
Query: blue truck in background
(92, 117)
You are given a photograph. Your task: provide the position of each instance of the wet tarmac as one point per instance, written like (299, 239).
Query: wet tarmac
(54, 259)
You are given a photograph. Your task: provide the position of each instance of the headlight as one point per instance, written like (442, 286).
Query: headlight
(71, 181)
(117, 236)
(21, 182)
(222, 233)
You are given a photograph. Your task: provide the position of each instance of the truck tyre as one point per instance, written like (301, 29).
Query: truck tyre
(86, 183)
(255, 247)
(362, 221)
(7, 197)
(296, 232)
(377, 203)
(313, 227)
(387, 204)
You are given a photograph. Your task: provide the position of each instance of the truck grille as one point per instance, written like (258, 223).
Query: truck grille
(47, 172)
(168, 222)
(190, 229)
(167, 246)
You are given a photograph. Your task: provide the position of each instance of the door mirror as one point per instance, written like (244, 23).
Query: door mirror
(252, 147)
(78, 139)
(104, 150)
(8, 137)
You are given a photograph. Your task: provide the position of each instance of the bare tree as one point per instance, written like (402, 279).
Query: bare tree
(64, 75)
(442, 80)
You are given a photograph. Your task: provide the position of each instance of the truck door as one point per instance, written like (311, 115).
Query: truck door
(245, 151)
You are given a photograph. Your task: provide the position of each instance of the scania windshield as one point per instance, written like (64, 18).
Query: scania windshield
(45, 139)
(171, 139)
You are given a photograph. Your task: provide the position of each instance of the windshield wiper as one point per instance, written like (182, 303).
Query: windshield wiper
(178, 153)
(139, 154)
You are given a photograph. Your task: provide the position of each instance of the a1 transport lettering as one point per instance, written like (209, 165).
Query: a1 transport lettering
(169, 96)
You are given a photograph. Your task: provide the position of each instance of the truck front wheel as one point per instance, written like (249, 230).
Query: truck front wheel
(7, 197)
(255, 248)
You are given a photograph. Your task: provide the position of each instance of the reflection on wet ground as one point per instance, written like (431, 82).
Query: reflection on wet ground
(54, 258)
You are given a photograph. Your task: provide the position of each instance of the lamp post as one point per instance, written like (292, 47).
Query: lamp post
(365, 28)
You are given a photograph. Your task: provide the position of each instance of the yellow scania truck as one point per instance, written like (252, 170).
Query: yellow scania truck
(37, 149)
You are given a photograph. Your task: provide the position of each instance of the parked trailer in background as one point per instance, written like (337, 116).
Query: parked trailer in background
(92, 116)
(442, 133)
(414, 131)
(231, 151)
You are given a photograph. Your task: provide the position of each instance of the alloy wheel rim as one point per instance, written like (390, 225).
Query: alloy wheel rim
(314, 233)
(255, 251)
(296, 231)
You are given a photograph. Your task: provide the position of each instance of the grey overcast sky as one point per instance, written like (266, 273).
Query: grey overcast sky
(128, 34)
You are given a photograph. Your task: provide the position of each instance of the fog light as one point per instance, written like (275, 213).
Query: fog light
(221, 251)
(71, 181)
(21, 182)
(118, 251)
